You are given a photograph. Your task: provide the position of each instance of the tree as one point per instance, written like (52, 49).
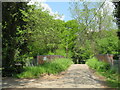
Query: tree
(107, 44)
(13, 34)
(117, 13)
(44, 31)
(82, 13)
(69, 35)
(93, 23)
(95, 18)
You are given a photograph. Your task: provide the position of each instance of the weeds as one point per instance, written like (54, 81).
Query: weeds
(53, 67)
(104, 69)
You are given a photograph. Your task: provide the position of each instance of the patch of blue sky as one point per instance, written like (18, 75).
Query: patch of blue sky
(62, 8)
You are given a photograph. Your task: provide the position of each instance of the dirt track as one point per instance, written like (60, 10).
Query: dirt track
(77, 76)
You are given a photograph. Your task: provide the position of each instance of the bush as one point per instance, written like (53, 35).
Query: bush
(114, 69)
(111, 73)
(54, 67)
(98, 65)
(92, 63)
(61, 52)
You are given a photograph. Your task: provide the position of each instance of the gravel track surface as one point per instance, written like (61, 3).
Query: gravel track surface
(77, 76)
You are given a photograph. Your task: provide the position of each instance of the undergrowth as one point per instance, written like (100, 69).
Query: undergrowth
(53, 67)
(111, 73)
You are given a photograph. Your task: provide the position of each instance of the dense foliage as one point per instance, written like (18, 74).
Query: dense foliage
(28, 31)
(13, 35)
(96, 34)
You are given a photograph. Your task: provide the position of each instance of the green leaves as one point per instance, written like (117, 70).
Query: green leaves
(53, 67)
(111, 73)
(109, 43)
(14, 35)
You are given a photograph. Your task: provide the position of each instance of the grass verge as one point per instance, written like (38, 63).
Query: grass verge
(53, 67)
(111, 74)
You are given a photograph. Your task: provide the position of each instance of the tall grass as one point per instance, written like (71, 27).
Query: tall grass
(104, 69)
(53, 67)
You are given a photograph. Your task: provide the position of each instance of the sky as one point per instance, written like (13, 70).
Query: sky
(62, 7)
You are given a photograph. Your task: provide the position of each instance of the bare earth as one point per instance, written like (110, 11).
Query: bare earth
(77, 76)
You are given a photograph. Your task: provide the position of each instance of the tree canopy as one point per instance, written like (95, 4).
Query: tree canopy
(29, 31)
